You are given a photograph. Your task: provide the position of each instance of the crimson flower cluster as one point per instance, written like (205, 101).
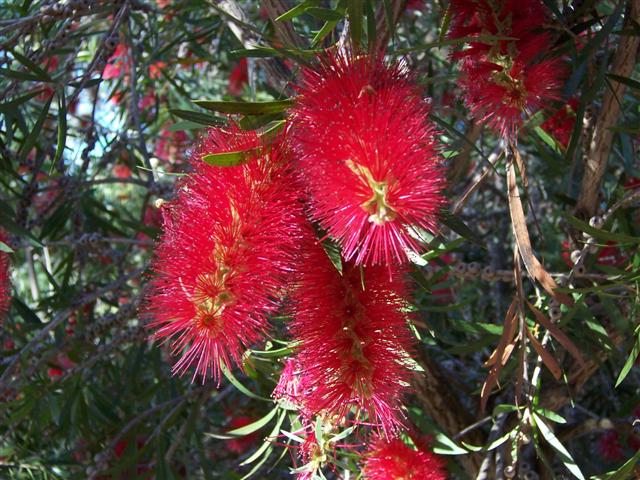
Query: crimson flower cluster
(362, 138)
(393, 459)
(228, 245)
(356, 161)
(510, 74)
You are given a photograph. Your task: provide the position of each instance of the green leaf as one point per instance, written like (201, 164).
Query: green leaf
(236, 383)
(631, 361)
(297, 10)
(371, 23)
(443, 445)
(551, 415)
(197, 117)
(625, 472)
(5, 248)
(355, 11)
(16, 229)
(326, 29)
(275, 353)
(253, 427)
(333, 252)
(564, 454)
(444, 25)
(548, 139)
(183, 125)
(62, 128)
(245, 108)
(229, 159)
(11, 105)
(461, 228)
(343, 434)
(629, 82)
(35, 133)
(276, 429)
(326, 14)
(487, 448)
(29, 77)
(36, 69)
(599, 233)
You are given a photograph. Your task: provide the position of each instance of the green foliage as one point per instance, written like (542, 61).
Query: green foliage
(85, 156)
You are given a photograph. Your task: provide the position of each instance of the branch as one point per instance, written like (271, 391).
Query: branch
(440, 402)
(595, 165)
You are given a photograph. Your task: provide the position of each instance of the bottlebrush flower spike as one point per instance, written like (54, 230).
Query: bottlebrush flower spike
(368, 156)
(238, 78)
(353, 340)
(393, 459)
(504, 79)
(229, 240)
(289, 388)
(560, 124)
(5, 285)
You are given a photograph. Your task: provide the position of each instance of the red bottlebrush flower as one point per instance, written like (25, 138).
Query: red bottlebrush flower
(368, 157)
(609, 447)
(55, 373)
(238, 78)
(631, 183)
(5, 285)
(155, 70)
(611, 255)
(229, 240)
(560, 124)
(312, 456)
(633, 441)
(121, 170)
(444, 295)
(413, 5)
(117, 64)
(354, 340)
(289, 387)
(508, 78)
(241, 444)
(171, 146)
(394, 460)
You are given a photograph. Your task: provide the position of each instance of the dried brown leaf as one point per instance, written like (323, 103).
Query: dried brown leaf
(521, 233)
(547, 358)
(558, 334)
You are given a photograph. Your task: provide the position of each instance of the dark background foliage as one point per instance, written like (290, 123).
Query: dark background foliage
(97, 117)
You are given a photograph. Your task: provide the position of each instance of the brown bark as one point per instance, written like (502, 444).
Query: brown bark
(440, 402)
(624, 61)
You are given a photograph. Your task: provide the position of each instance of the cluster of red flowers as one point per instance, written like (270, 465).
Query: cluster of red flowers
(362, 137)
(229, 242)
(357, 159)
(509, 75)
(353, 337)
(5, 286)
(560, 124)
(386, 460)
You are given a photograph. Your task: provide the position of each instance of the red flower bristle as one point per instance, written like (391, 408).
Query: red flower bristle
(560, 124)
(503, 80)
(229, 242)
(354, 341)
(238, 78)
(394, 460)
(368, 156)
